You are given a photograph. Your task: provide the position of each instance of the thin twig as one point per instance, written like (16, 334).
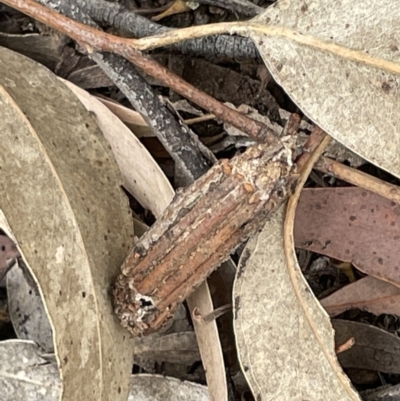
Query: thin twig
(358, 178)
(345, 346)
(96, 40)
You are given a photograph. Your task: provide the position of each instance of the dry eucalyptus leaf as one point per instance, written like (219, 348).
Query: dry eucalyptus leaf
(285, 344)
(178, 348)
(374, 348)
(353, 225)
(209, 344)
(27, 312)
(354, 103)
(159, 388)
(369, 293)
(70, 220)
(25, 374)
(8, 253)
(137, 166)
(45, 49)
(130, 117)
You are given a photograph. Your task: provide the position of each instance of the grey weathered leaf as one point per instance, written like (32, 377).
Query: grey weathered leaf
(160, 388)
(285, 344)
(25, 374)
(27, 312)
(179, 348)
(64, 209)
(355, 103)
(294, 358)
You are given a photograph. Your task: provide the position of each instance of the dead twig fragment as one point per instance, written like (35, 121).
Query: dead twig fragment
(96, 40)
(345, 346)
(199, 230)
(358, 178)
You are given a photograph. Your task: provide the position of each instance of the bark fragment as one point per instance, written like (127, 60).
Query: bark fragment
(198, 231)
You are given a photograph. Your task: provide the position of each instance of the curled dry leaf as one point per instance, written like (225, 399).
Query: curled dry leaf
(284, 355)
(135, 162)
(294, 358)
(353, 101)
(374, 348)
(65, 211)
(353, 225)
(369, 293)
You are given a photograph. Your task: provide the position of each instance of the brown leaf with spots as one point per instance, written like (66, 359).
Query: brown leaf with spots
(369, 293)
(352, 225)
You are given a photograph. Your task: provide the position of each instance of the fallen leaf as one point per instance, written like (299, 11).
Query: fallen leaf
(284, 337)
(282, 353)
(374, 348)
(159, 388)
(130, 117)
(45, 49)
(354, 102)
(209, 344)
(353, 225)
(178, 348)
(369, 293)
(135, 162)
(25, 374)
(70, 220)
(207, 334)
(27, 312)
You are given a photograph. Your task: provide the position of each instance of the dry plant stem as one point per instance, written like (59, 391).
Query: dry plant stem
(345, 346)
(198, 231)
(215, 314)
(358, 178)
(96, 40)
(311, 145)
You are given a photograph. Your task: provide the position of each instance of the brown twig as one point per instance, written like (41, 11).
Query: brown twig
(345, 346)
(198, 231)
(96, 40)
(358, 178)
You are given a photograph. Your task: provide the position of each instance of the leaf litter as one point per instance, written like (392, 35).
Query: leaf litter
(53, 231)
(352, 225)
(305, 95)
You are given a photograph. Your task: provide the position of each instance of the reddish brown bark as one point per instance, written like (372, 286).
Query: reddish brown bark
(199, 230)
